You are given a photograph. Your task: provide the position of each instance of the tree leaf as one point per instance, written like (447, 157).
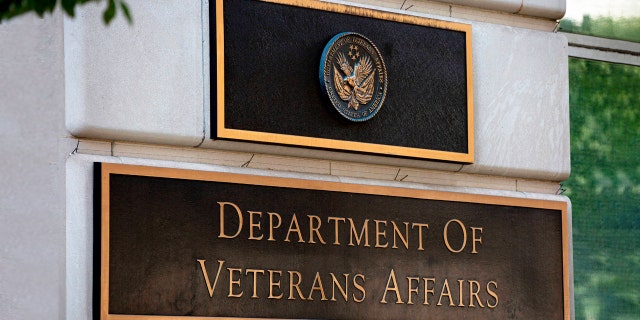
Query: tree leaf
(41, 6)
(69, 6)
(110, 12)
(126, 12)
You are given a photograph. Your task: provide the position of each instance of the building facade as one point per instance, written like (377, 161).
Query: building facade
(74, 92)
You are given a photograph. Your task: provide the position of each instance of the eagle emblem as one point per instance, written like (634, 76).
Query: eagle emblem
(356, 86)
(353, 77)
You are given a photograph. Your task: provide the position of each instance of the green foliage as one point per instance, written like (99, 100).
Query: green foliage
(605, 182)
(13, 8)
(607, 27)
(604, 188)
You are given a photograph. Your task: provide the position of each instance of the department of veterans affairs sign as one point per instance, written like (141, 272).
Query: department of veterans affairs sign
(185, 244)
(405, 91)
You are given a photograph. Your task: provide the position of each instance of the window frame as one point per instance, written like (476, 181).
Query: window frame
(603, 49)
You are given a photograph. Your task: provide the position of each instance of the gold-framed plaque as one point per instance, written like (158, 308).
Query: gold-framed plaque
(185, 244)
(278, 77)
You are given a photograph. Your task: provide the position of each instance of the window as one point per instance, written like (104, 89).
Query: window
(604, 186)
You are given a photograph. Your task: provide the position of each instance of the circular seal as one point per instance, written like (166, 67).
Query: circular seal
(353, 76)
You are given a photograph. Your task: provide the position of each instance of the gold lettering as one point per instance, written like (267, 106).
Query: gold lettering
(206, 276)
(364, 233)
(380, 234)
(238, 212)
(336, 228)
(474, 293)
(392, 276)
(335, 283)
(294, 220)
(317, 286)
(493, 294)
(295, 284)
(405, 238)
(427, 290)
(274, 284)
(474, 239)
(271, 227)
(411, 288)
(359, 287)
(252, 225)
(255, 280)
(232, 282)
(313, 228)
(448, 294)
(460, 286)
(420, 226)
(446, 235)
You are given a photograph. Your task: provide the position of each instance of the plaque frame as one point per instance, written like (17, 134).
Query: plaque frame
(219, 130)
(102, 172)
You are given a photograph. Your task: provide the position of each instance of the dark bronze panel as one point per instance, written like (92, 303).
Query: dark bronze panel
(160, 227)
(268, 90)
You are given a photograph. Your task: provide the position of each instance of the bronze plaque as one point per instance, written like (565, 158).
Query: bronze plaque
(406, 91)
(184, 244)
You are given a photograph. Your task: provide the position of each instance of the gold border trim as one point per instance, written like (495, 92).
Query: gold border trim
(112, 168)
(105, 173)
(255, 136)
